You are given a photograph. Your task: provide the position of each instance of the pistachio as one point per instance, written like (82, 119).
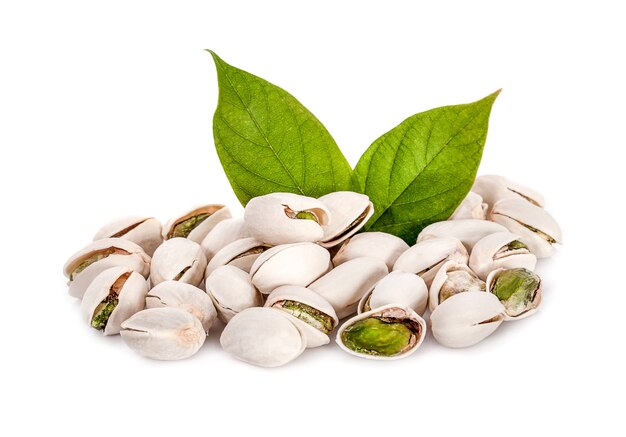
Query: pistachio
(381, 245)
(472, 207)
(468, 231)
(231, 291)
(178, 259)
(166, 333)
(493, 188)
(500, 250)
(224, 233)
(400, 288)
(348, 213)
(453, 278)
(144, 231)
(389, 332)
(518, 289)
(184, 296)
(240, 253)
(196, 223)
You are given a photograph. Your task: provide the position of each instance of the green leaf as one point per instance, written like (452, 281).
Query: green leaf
(267, 141)
(419, 172)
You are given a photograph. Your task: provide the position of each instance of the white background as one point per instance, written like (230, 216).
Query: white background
(105, 110)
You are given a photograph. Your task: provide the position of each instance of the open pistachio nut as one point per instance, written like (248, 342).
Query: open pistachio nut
(453, 278)
(82, 267)
(386, 333)
(400, 288)
(426, 257)
(178, 259)
(282, 218)
(536, 227)
(493, 188)
(264, 337)
(196, 223)
(240, 253)
(231, 291)
(186, 297)
(348, 213)
(382, 245)
(166, 333)
(346, 284)
(500, 250)
(468, 231)
(518, 289)
(112, 297)
(311, 313)
(472, 207)
(466, 318)
(224, 233)
(289, 264)
(144, 231)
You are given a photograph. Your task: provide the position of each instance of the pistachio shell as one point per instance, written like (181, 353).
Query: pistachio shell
(215, 214)
(466, 318)
(493, 188)
(399, 288)
(531, 307)
(493, 252)
(166, 333)
(344, 285)
(144, 231)
(289, 264)
(273, 218)
(178, 259)
(451, 279)
(387, 313)
(380, 245)
(123, 253)
(529, 222)
(231, 291)
(224, 233)
(472, 207)
(427, 256)
(131, 295)
(469, 231)
(314, 336)
(186, 297)
(348, 211)
(264, 337)
(240, 253)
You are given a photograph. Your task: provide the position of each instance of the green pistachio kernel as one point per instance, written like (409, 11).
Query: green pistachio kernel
(103, 312)
(379, 336)
(517, 289)
(515, 245)
(96, 256)
(300, 215)
(308, 314)
(184, 228)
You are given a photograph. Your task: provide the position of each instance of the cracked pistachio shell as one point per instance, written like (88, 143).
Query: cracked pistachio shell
(240, 253)
(346, 284)
(314, 336)
(281, 218)
(186, 226)
(131, 295)
(231, 291)
(466, 318)
(451, 279)
(224, 233)
(349, 211)
(186, 297)
(500, 250)
(166, 333)
(512, 313)
(100, 255)
(415, 331)
(289, 264)
(426, 257)
(264, 337)
(468, 231)
(144, 231)
(380, 245)
(536, 227)
(472, 207)
(493, 188)
(399, 288)
(178, 259)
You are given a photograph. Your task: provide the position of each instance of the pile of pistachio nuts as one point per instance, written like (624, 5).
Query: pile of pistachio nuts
(282, 277)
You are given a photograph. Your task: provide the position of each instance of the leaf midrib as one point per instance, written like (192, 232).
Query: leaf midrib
(256, 124)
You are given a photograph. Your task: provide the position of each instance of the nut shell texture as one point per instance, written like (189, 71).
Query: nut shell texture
(216, 213)
(186, 297)
(349, 211)
(144, 231)
(224, 233)
(231, 291)
(399, 288)
(490, 253)
(380, 245)
(178, 259)
(468, 231)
